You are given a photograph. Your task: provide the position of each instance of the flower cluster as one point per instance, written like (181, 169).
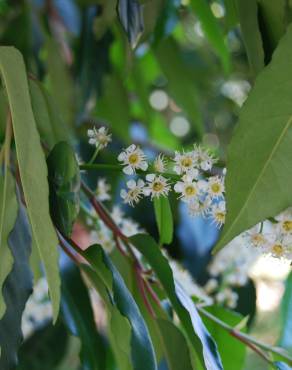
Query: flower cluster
(203, 195)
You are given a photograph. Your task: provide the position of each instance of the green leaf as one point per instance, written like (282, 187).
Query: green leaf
(225, 342)
(78, 317)
(60, 83)
(286, 316)
(16, 290)
(195, 330)
(142, 352)
(175, 346)
(119, 329)
(114, 106)
(164, 219)
(131, 18)
(49, 123)
(248, 18)
(272, 17)
(44, 349)
(180, 81)
(260, 154)
(231, 13)
(32, 166)
(212, 30)
(8, 214)
(64, 183)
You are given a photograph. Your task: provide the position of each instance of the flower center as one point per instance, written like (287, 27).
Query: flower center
(215, 187)
(257, 239)
(287, 225)
(190, 190)
(278, 249)
(220, 216)
(157, 186)
(186, 162)
(133, 158)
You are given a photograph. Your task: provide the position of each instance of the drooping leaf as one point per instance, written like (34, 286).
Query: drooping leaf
(32, 166)
(212, 30)
(44, 349)
(16, 290)
(181, 85)
(226, 343)
(131, 17)
(78, 317)
(164, 219)
(197, 334)
(49, 123)
(64, 184)
(231, 13)
(259, 154)
(248, 18)
(8, 215)
(119, 331)
(273, 23)
(60, 82)
(142, 352)
(286, 316)
(175, 346)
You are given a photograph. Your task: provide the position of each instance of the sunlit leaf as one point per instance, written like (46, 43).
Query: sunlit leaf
(259, 154)
(32, 166)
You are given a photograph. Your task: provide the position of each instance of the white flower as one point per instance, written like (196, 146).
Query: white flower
(218, 213)
(103, 237)
(199, 207)
(133, 158)
(185, 163)
(135, 192)
(100, 138)
(117, 215)
(211, 286)
(203, 158)
(188, 188)
(102, 190)
(279, 250)
(130, 228)
(216, 186)
(256, 237)
(159, 163)
(157, 186)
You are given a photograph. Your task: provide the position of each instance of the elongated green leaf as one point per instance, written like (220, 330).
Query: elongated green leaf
(16, 290)
(142, 352)
(180, 81)
(164, 219)
(231, 13)
(119, 330)
(225, 342)
(260, 155)
(286, 307)
(8, 214)
(212, 30)
(32, 166)
(272, 17)
(78, 316)
(49, 123)
(64, 184)
(183, 305)
(248, 18)
(175, 346)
